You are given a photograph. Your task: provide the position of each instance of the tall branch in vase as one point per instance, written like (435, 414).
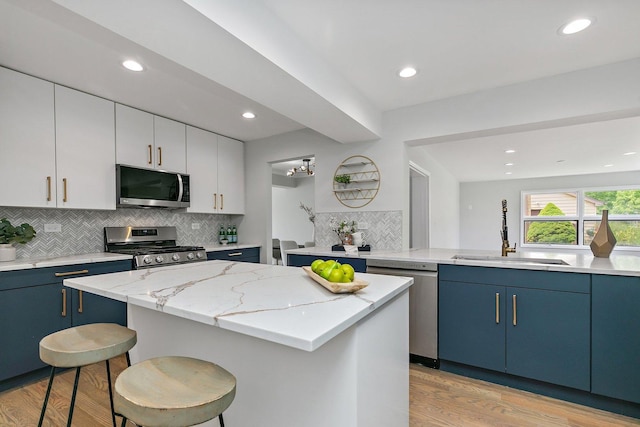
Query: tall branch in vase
(312, 219)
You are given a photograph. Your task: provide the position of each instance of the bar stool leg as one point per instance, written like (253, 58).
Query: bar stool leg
(46, 397)
(73, 396)
(221, 420)
(113, 414)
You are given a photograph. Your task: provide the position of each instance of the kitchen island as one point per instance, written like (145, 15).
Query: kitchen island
(301, 354)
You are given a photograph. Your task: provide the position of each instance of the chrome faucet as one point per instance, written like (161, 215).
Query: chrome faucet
(504, 232)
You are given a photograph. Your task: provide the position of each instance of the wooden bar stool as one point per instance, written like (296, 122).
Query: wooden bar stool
(83, 345)
(173, 391)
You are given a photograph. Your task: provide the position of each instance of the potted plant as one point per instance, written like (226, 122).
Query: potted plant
(342, 179)
(10, 236)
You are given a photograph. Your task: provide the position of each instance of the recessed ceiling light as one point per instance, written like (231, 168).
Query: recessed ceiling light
(508, 164)
(608, 165)
(576, 26)
(248, 115)
(132, 65)
(508, 173)
(407, 72)
(630, 153)
(509, 151)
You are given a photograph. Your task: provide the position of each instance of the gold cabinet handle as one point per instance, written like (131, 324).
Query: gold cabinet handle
(48, 189)
(221, 201)
(215, 200)
(150, 161)
(64, 190)
(497, 307)
(235, 254)
(70, 273)
(515, 313)
(79, 301)
(64, 302)
(159, 156)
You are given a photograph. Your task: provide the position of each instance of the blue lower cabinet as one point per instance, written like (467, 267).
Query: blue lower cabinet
(548, 336)
(532, 324)
(295, 260)
(615, 364)
(239, 255)
(34, 304)
(471, 323)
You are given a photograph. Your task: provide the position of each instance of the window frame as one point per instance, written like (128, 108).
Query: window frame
(579, 218)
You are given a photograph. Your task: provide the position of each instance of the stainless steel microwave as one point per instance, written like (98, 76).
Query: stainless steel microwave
(150, 188)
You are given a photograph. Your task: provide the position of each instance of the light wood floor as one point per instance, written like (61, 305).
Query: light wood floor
(437, 399)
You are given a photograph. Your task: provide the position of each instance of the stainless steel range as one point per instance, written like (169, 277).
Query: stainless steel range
(151, 246)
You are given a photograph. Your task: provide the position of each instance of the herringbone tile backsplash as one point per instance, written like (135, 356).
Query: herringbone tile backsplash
(384, 231)
(82, 230)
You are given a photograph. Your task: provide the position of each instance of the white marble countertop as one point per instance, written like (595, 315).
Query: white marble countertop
(619, 263)
(276, 303)
(27, 263)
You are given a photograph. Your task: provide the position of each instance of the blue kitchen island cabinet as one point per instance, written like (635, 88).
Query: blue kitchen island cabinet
(239, 255)
(529, 323)
(615, 367)
(34, 303)
(358, 264)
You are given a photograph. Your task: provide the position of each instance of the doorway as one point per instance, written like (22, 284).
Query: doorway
(292, 185)
(419, 215)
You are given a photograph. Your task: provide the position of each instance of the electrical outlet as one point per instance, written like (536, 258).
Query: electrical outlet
(362, 225)
(52, 228)
(195, 226)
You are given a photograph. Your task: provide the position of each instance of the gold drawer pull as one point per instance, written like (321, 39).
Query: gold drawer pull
(497, 307)
(71, 273)
(150, 154)
(515, 315)
(64, 302)
(235, 254)
(79, 301)
(215, 200)
(159, 156)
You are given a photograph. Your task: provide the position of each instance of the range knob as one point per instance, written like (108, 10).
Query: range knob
(200, 255)
(159, 259)
(147, 260)
(175, 257)
(190, 255)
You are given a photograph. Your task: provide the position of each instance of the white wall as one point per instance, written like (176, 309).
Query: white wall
(289, 222)
(481, 209)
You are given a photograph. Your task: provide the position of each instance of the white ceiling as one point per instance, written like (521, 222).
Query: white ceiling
(331, 65)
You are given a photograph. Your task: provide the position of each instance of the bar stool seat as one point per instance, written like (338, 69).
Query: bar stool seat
(83, 345)
(173, 391)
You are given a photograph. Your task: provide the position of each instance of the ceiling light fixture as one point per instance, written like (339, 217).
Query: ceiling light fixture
(407, 72)
(305, 169)
(629, 153)
(248, 115)
(509, 151)
(132, 65)
(508, 164)
(608, 165)
(575, 26)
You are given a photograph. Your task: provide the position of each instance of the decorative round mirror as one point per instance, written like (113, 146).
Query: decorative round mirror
(356, 181)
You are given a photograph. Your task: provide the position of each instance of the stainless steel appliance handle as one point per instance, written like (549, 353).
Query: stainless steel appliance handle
(180, 187)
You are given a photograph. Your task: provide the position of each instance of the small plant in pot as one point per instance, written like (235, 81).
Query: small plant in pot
(11, 235)
(342, 179)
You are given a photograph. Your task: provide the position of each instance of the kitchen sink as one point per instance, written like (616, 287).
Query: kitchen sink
(511, 259)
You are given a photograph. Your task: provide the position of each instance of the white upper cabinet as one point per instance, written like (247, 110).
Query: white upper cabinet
(85, 150)
(149, 141)
(170, 145)
(216, 168)
(27, 141)
(231, 175)
(202, 155)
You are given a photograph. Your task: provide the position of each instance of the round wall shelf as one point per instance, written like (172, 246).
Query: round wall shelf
(363, 183)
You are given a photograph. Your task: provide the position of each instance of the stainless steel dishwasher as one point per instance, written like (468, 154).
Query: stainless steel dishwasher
(423, 305)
